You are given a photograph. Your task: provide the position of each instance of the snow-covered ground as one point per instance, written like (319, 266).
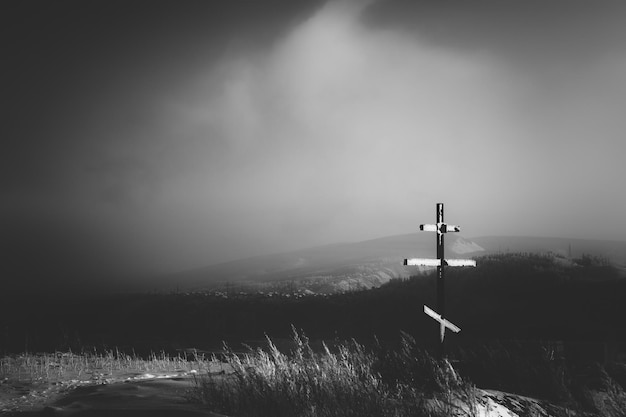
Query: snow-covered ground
(164, 394)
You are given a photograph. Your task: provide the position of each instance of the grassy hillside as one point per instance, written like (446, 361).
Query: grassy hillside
(513, 296)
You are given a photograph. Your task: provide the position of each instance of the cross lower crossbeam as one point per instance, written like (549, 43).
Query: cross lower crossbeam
(443, 323)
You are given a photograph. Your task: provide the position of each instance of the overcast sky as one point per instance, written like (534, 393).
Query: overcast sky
(151, 136)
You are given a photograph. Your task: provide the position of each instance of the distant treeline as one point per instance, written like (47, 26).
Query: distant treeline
(507, 296)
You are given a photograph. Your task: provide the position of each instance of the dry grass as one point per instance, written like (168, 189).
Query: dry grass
(346, 381)
(340, 381)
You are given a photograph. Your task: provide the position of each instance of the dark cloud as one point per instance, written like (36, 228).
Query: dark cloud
(64, 60)
(574, 31)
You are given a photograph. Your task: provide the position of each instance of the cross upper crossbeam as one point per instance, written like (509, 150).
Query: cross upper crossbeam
(439, 228)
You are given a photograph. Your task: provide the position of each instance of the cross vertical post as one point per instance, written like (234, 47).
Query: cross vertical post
(441, 283)
(440, 228)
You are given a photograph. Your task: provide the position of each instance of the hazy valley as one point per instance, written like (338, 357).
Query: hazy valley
(369, 264)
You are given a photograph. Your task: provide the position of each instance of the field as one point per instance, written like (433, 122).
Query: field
(33, 381)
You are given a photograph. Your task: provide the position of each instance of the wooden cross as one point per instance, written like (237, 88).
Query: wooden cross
(441, 228)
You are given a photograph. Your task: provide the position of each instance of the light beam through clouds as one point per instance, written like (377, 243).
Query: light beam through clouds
(340, 126)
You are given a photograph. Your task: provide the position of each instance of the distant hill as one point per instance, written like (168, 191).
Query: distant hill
(613, 252)
(371, 263)
(329, 268)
